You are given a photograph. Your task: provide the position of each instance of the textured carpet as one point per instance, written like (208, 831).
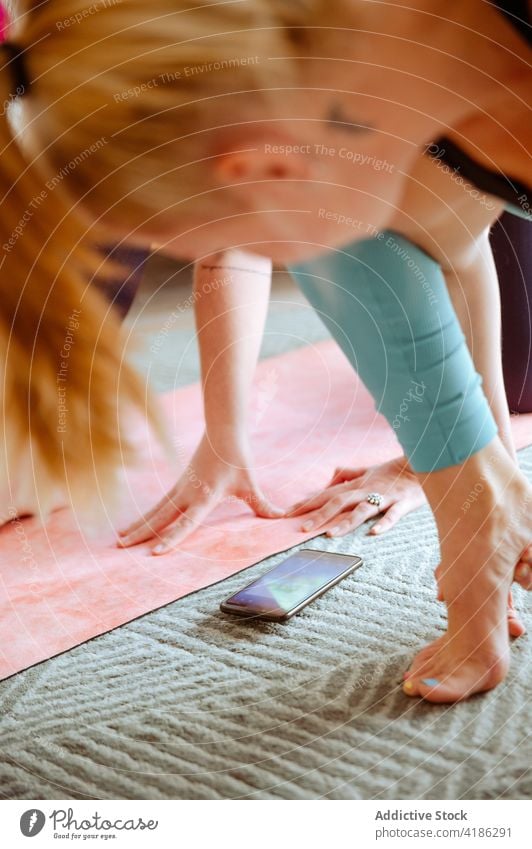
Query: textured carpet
(186, 703)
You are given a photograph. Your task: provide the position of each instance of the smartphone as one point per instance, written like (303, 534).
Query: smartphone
(291, 585)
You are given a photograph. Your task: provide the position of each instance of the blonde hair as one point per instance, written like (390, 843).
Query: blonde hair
(124, 94)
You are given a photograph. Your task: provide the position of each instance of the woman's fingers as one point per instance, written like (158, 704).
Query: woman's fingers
(354, 519)
(342, 474)
(333, 507)
(340, 481)
(170, 497)
(391, 517)
(185, 525)
(261, 505)
(310, 503)
(175, 514)
(320, 498)
(347, 493)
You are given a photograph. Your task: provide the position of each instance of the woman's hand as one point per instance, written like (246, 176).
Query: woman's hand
(213, 474)
(344, 499)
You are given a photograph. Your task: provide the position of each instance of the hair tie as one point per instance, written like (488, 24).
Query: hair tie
(17, 65)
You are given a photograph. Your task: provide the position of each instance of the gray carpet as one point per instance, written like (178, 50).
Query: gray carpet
(186, 703)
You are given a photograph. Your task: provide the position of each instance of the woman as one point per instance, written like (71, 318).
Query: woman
(114, 133)
(229, 325)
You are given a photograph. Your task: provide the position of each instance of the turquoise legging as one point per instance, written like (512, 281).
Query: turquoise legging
(386, 303)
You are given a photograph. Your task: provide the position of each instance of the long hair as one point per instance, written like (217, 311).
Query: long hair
(109, 141)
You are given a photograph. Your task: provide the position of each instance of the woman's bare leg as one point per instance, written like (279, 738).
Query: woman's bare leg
(481, 541)
(475, 294)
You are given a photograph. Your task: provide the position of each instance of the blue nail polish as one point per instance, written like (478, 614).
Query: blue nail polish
(430, 682)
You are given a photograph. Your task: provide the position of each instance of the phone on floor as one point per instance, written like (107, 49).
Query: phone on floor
(291, 585)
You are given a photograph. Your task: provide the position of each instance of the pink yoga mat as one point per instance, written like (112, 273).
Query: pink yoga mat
(59, 588)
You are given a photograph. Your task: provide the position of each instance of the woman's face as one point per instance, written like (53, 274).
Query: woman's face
(290, 189)
(290, 220)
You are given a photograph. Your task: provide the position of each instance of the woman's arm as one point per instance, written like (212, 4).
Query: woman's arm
(231, 293)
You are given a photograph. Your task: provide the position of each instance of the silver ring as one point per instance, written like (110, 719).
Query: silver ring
(375, 498)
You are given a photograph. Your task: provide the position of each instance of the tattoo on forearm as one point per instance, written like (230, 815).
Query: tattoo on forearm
(337, 116)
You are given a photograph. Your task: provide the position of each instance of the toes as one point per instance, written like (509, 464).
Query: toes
(515, 626)
(430, 688)
(442, 690)
(440, 687)
(424, 657)
(410, 688)
(450, 688)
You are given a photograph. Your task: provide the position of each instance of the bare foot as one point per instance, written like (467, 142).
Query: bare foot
(516, 629)
(479, 553)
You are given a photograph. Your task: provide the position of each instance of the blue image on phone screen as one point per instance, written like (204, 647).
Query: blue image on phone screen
(292, 582)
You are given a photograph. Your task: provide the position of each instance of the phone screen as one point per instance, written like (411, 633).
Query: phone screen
(288, 585)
